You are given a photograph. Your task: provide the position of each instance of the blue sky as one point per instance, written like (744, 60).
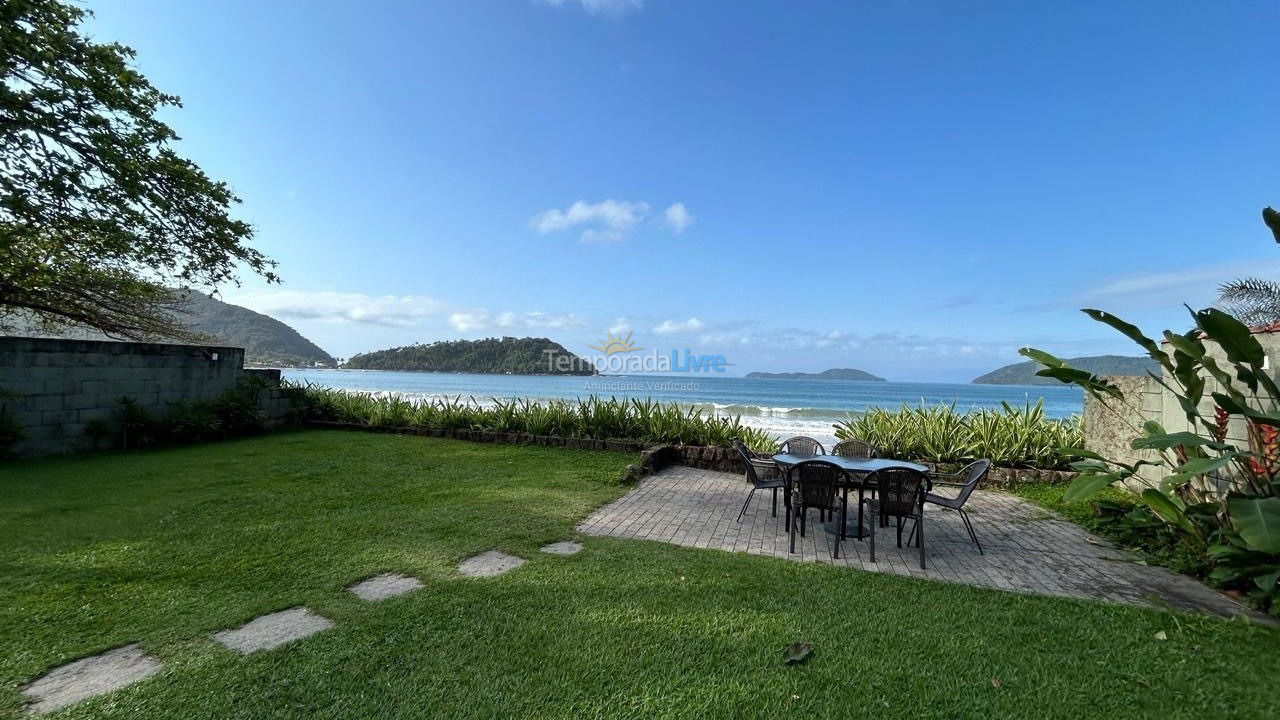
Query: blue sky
(915, 189)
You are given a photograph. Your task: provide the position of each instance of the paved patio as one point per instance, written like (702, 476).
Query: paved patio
(1028, 549)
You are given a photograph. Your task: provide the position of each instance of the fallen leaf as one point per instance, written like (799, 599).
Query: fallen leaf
(1162, 635)
(796, 653)
(995, 682)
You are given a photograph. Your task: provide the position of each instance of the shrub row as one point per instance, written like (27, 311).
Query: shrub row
(645, 421)
(1011, 436)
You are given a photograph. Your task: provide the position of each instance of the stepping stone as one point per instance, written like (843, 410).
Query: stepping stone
(384, 586)
(489, 564)
(88, 677)
(274, 630)
(565, 547)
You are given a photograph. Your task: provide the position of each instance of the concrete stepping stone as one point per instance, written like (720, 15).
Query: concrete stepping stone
(273, 630)
(564, 547)
(88, 677)
(489, 564)
(381, 587)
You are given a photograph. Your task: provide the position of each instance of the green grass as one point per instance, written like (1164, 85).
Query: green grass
(165, 547)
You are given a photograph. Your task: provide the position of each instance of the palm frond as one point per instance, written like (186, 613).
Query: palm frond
(1253, 301)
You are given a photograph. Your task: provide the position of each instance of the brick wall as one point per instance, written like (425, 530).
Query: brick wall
(54, 387)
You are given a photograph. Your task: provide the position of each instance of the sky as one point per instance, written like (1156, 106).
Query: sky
(916, 189)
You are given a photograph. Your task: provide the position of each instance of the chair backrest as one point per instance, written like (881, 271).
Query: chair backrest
(900, 490)
(854, 448)
(743, 453)
(801, 445)
(816, 483)
(974, 473)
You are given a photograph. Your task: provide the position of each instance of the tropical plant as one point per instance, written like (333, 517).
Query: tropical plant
(1254, 301)
(591, 417)
(1011, 436)
(1221, 493)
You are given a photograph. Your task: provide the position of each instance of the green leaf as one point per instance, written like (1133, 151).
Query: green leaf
(1267, 580)
(1271, 219)
(1042, 357)
(1168, 510)
(1203, 465)
(796, 653)
(1172, 440)
(1257, 519)
(1232, 336)
(1130, 331)
(1086, 486)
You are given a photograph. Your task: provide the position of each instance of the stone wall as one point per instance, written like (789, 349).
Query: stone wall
(1111, 426)
(55, 387)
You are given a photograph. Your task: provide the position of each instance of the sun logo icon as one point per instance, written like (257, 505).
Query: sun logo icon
(610, 344)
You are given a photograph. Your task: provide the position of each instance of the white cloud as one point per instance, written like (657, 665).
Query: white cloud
(608, 221)
(327, 305)
(1197, 286)
(473, 320)
(620, 327)
(676, 327)
(605, 221)
(601, 7)
(677, 217)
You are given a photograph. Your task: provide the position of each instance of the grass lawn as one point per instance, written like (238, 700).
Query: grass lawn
(165, 547)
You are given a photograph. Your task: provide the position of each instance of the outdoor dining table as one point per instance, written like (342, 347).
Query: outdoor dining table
(858, 468)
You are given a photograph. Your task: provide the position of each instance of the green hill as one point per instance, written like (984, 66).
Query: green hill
(1024, 373)
(508, 355)
(832, 374)
(266, 341)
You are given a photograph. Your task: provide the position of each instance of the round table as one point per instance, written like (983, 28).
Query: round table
(857, 466)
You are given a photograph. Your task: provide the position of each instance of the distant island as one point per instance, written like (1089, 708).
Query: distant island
(1024, 373)
(832, 374)
(499, 356)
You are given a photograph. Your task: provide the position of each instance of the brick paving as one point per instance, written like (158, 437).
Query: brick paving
(1028, 549)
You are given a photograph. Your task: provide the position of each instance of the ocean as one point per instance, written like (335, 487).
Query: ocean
(784, 407)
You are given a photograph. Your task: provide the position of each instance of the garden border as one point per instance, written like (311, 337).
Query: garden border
(656, 457)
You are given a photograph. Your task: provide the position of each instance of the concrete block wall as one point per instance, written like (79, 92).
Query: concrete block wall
(55, 387)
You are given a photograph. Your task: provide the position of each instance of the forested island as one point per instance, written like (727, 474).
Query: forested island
(501, 356)
(832, 374)
(1024, 373)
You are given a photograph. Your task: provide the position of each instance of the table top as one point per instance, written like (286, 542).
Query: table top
(858, 465)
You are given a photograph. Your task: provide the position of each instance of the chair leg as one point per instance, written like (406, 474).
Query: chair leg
(804, 519)
(775, 502)
(745, 504)
(920, 527)
(872, 526)
(969, 526)
(791, 522)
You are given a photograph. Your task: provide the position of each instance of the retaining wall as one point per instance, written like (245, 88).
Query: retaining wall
(55, 387)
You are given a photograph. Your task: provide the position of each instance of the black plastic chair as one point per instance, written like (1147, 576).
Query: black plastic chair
(801, 445)
(900, 495)
(815, 484)
(762, 474)
(854, 448)
(971, 476)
